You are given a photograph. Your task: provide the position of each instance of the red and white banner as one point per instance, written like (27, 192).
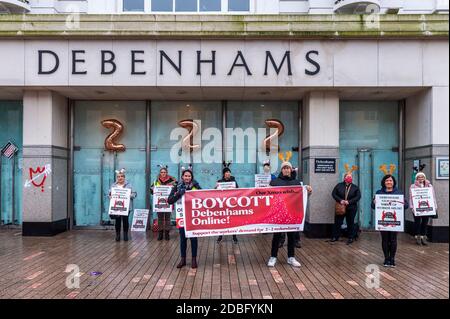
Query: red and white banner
(244, 211)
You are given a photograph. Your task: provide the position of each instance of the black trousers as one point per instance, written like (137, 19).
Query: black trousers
(291, 243)
(122, 220)
(296, 237)
(350, 219)
(420, 225)
(389, 244)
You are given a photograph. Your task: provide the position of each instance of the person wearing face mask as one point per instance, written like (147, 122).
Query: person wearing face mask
(348, 194)
(164, 179)
(421, 222)
(121, 182)
(389, 238)
(187, 183)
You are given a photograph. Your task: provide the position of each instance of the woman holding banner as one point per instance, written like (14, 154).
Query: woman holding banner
(164, 179)
(121, 182)
(421, 222)
(187, 183)
(227, 178)
(389, 238)
(286, 178)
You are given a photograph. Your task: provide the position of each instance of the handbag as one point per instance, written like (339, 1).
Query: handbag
(338, 207)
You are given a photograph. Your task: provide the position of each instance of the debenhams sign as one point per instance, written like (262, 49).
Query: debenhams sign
(166, 63)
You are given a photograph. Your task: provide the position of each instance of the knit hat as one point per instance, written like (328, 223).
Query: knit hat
(288, 164)
(421, 174)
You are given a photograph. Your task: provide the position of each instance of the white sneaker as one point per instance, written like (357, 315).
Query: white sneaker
(272, 262)
(293, 262)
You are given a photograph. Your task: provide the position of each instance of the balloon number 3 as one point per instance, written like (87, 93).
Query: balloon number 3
(110, 141)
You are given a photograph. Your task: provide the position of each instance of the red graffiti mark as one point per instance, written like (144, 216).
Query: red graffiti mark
(38, 171)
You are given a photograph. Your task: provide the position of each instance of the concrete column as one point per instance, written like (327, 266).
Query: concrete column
(45, 155)
(427, 137)
(320, 139)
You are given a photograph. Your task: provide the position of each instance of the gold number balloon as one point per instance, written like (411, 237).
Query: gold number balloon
(279, 130)
(192, 128)
(110, 141)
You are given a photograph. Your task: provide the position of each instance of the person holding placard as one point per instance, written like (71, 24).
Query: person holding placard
(121, 182)
(187, 183)
(163, 179)
(417, 207)
(389, 238)
(229, 180)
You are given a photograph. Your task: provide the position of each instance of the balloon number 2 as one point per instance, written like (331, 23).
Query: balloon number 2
(110, 141)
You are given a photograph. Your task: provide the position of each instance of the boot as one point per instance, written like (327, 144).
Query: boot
(418, 241)
(167, 237)
(117, 235)
(125, 235)
(182, 262)
(160, 235)
(194, 262)
(422, 239)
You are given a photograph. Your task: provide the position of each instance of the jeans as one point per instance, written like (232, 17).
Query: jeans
(183, 244)
(420, 225)
(350, 219)
(291, 243)
(389, 244)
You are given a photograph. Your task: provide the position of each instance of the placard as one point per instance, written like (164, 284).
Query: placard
(160, 199)
(226, 185)
(423, 201)
(140, 218)
(119, 204)
(389, 212)
(262, 180)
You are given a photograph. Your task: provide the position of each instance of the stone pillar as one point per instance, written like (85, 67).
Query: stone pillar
(426, 138)
(45, 156)
(320, 139)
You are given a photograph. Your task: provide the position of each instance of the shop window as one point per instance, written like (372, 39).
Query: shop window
(133, 5)
(210, 5)
(238, 5)
(162, 5)
(186, 5)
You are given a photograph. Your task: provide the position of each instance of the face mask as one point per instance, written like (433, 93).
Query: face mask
(348, 179)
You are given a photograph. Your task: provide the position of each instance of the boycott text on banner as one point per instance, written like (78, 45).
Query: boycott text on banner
(423, 201)
(244, 211)
(262, 180)
(140, 218)
(120, 201)
(389, 213)
(160, 197)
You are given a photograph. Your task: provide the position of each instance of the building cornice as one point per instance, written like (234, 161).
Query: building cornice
(289, 27)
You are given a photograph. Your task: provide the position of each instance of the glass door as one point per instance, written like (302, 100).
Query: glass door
(11, 124)
(94, 167)
(369, 137)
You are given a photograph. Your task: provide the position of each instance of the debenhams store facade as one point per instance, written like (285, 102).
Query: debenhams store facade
(347, 91)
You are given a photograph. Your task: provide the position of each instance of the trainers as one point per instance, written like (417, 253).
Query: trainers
(422, 239)
(392, 263)
(272, 262)
(387, 263)
(418, 241)
(293, 262)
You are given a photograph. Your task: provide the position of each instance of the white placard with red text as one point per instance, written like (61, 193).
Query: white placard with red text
(389, 213)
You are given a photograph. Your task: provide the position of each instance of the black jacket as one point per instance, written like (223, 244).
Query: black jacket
(179, 189)
(284, 181)
(232, 179)
(353, 197)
